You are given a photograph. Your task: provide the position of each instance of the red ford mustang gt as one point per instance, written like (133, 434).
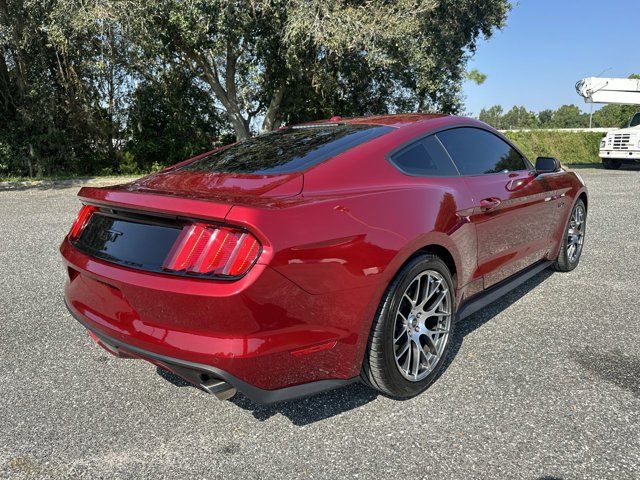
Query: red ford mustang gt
(320, 254)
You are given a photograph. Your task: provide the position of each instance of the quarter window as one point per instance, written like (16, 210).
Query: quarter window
(426, 157)
(476, 151)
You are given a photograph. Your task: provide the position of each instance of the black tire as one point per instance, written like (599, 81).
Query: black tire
(611, 164)
(564, 262)
(379, 369)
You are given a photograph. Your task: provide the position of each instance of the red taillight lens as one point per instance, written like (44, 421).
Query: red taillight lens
(211, 250)
(81, 221)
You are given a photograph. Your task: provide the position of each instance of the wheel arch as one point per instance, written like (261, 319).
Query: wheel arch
(564, 219)
(583, 196)
(446, 253)
(443, 254)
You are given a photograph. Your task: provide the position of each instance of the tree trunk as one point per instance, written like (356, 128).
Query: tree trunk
(20, 70)
(271, 119)
(111, 109)
(209, 70)
(6, 95)
(240, 124)
(29, 162)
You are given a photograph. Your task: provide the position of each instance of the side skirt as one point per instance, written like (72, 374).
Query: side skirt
(493, 293)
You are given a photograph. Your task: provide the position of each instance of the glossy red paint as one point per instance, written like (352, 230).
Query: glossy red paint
(332, 239)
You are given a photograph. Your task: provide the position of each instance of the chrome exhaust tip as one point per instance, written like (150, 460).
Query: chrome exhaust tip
(221, 390)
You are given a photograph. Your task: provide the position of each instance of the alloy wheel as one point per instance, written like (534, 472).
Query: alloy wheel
(575, 233)
(422, 325)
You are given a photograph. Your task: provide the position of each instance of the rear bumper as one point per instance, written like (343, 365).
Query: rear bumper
(262, 334)
(198, 373)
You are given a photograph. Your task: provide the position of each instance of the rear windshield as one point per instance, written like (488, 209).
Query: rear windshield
(289, 150)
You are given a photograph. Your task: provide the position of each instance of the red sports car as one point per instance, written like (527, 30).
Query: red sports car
(320, 254)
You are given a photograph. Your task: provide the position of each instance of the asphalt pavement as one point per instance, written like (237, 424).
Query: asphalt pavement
(545, 383)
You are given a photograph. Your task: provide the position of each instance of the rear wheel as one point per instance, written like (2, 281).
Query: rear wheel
(573, 239)
(412, 329)
(611, 164)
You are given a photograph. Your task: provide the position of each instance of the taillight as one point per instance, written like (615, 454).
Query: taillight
(81, 221)
(204, 249)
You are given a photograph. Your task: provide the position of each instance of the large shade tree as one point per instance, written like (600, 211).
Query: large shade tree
(63, 84)
(81, 79)
(272, 59)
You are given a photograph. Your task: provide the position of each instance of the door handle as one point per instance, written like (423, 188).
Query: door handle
(487, 204)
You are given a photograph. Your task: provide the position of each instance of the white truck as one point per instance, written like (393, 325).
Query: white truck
(621, 146)
(618, 146)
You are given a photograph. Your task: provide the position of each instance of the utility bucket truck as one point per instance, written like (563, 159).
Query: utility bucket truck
(618, 146)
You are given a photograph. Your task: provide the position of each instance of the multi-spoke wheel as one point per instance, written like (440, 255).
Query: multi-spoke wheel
(422, 325)
(571, 247)
(575, 233)
(411, 332)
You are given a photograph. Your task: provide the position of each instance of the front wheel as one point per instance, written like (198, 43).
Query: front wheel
(611, 164)
(412, 329)
(573, 239)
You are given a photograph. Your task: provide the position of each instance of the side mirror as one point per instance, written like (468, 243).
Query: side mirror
(547, 165)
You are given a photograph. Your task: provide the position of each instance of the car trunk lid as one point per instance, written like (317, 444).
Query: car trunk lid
(140, 224)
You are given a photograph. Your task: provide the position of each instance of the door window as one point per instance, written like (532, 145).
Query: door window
(476, 151)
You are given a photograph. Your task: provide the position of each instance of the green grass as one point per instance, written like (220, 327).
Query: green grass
(571, 148)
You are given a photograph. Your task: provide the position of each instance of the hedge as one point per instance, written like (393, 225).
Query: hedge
(569, 147)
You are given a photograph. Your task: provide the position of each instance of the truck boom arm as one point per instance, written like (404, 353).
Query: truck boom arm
(609, 90)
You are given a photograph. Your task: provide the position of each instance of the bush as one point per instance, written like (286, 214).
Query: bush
(128, 165)
(568, 147)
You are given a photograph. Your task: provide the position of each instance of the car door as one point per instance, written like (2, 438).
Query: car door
(513, 211)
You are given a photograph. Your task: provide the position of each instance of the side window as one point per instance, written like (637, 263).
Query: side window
(426, 157)
(477, 151)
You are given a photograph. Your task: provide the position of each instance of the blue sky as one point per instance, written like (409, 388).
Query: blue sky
(548, 45)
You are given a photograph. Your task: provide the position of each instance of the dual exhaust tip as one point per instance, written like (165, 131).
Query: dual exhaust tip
(222, 390)
(207, 382)
(219, 388)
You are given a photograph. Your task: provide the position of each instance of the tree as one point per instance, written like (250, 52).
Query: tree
(77, 75)
(570, 116)
(253, 53)
(61, 82)
(476, 76)
(614, 115)
(171, 119)
(545, 118)
(519, 117)
(492, 116)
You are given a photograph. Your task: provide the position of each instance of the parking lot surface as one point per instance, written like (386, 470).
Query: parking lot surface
(545, 383)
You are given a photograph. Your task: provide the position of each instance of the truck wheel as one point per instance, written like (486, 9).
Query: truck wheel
(611, 164)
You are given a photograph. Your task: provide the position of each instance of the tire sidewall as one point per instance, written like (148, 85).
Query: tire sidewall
(611, 164)
(404, 387)
(564, 249)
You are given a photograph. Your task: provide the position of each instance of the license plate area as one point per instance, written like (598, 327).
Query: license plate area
(130, 242)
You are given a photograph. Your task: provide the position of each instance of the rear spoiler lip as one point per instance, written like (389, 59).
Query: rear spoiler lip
(163, 205)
